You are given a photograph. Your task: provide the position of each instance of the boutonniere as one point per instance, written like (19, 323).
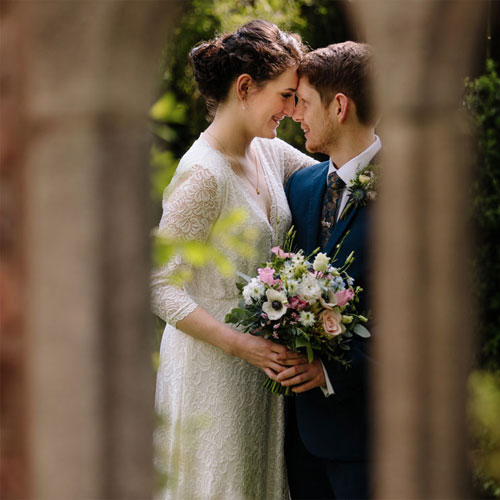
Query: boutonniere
(363, 188)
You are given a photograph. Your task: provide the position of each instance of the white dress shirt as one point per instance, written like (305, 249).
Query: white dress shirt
(347, 173)
(349, 170)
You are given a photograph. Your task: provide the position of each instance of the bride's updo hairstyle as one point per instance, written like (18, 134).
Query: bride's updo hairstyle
(259, 48)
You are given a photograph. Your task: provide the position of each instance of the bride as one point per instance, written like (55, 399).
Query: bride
(222, 434)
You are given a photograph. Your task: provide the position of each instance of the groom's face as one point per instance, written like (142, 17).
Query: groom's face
(315, 120)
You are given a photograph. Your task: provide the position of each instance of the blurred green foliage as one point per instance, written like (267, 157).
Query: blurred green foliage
(187, 432)
(484, 415)
(228, 232)
(483, 102)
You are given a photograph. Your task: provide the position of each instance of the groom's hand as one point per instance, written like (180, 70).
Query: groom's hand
(285, 358)
(303, 377)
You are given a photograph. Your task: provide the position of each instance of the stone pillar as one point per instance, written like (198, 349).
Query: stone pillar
(13, 341)
(87, 73)
(422, 298)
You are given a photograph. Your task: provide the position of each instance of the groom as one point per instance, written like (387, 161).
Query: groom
(327, 443)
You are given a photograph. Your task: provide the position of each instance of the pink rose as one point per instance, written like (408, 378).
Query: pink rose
(280, 253)
(344, 297)
(332, 322)
(266, 275)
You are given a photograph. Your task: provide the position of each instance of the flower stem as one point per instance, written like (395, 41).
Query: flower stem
(277, 388)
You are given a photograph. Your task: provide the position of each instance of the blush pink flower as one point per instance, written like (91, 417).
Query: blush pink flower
(280, 253)
(266, 275)
(332, 322)
(297, 303)
(344, 297)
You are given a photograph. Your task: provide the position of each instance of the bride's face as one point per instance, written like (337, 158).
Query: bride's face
(269, 104)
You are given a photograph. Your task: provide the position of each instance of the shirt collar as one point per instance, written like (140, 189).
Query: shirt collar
(348, 171)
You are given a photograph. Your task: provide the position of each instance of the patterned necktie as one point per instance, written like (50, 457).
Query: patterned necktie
(334, 189)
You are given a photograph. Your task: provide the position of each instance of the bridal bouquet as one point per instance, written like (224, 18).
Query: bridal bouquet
(307, 305)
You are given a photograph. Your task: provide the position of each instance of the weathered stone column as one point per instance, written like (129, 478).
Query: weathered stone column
(423, 301)
(13, 342)
(87, 71)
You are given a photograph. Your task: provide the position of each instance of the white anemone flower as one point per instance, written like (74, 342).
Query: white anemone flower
(275, 307)
(331, 302)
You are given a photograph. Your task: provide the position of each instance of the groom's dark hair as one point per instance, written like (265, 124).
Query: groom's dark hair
(342, 67)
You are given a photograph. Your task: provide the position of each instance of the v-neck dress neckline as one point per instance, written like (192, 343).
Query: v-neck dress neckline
(269, 219)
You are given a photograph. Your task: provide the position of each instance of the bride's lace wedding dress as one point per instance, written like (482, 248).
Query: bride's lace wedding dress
(220, 434)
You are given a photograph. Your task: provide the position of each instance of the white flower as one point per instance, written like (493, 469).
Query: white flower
(306, 318)
(253, 291)
(339, 283)
(298, 259)
(309, 289)
(288, 271)
(350, 281)
(275, 306)
(332, 300)
(363, 178)
(333, 271)
(321, 262)
(292, 287)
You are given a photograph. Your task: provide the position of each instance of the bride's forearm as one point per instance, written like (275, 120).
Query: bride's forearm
(256, 350)
(203, 326)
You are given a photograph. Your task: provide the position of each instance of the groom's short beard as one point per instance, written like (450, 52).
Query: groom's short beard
(326, 140)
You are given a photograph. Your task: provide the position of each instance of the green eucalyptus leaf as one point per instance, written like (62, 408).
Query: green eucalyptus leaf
(301, 342)
(360, 330)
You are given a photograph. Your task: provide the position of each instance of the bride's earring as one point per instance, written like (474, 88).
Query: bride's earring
(243, 107)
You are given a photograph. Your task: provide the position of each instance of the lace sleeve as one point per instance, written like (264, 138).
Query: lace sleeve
(292, 159)
(189, 210)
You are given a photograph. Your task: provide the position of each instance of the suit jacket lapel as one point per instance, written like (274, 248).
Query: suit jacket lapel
(339, 229)
(315, 206)
(341, 225)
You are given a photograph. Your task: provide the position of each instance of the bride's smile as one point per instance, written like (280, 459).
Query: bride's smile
(269, 104)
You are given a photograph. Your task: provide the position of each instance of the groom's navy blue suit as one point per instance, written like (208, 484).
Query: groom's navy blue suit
(334, 429)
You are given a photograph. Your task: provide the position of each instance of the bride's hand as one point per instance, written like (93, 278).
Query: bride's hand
(265, 354)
